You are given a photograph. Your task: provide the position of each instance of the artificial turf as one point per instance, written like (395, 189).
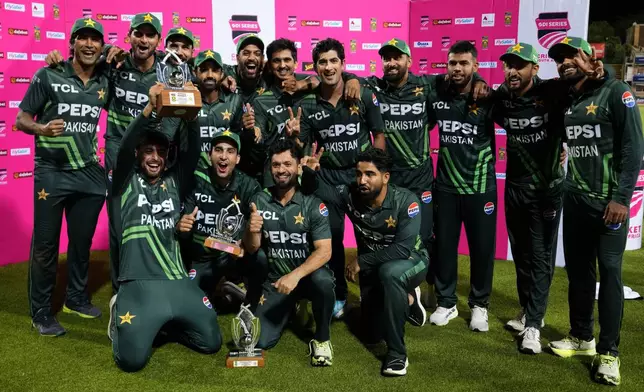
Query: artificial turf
(450, 358)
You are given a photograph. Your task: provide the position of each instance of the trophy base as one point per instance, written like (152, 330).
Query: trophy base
(223, 246)
(239, 359)
(184, 103)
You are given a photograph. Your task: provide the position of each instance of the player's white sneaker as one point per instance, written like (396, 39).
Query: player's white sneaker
(479, 320)
(518, 323)
(110, 323)
(395, 367)
(570, 346)
(531, 342)
(441, 315)
(607, 369)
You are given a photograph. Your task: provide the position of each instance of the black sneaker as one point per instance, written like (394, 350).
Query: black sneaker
(48, 326)
(417, 314)
(395, 367)
(87, 310)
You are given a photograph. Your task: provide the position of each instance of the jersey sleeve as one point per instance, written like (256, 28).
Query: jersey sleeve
(372, 111)
(319, 213)
(405, 240)
(37, 94)
(628, 124)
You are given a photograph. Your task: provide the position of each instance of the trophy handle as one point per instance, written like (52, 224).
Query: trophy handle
(171, 53)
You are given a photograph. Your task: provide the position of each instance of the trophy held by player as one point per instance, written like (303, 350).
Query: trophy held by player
(245, 331)
(176, 99)
(228, 224)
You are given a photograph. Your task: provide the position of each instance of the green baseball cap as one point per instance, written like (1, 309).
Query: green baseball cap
(398, 44)
(523, 51)
(567, 43)
(141, 19)
(226, 135)
(208, 55)
(86, 23)
(250, 39)
(181, 32)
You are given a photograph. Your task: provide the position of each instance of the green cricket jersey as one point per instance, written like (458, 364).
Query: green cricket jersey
(148, 212)
(466, 155)
(58, 93)
(289, 232)
(130, 95)
(405, 116)
(391, 232)
(223, 211)
(533, 126)
(271, 113)
(218, 116)
(604, 135)
(344, 130)
(247, 94)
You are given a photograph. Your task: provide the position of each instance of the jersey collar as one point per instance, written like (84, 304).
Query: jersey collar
(232, 185)
(297, 198)
(69, 72)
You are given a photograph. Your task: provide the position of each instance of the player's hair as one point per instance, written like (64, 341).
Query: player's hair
(281, 44)
(328, 45)
(461, 47)
(378, 157)
(154, 137)
(286, 145)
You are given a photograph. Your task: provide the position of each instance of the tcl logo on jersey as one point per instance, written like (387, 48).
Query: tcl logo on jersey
(426, 197)
(268, 215)
(586, 131)
(454, 126)
(20, 79)
(165, 206)
(413, 209)
(522, 123)
(277, 109)
(65, 88)
(16, 152)
(79, 110)
(282, 237)
(131, 96)
(23, 174)
(401, 109)
(196, 19)
(319, 115)
(488, 208)
(339, 129)
(22, 32)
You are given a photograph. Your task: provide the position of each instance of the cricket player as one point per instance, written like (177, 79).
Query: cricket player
(344, 128)
(293, 231)
(465, 189)
(219, 208)
(155, 288)
(61, 109)
(603, 130)
(392, 260)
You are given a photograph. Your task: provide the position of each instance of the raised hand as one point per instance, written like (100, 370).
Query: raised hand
(590, 66)
(117, 55)
(248, 118)
(293, 123)
(53, 128)
(54, 58)
(313, 161)
(352, 90)
(229, 83)
(187, 221)
(256, 221)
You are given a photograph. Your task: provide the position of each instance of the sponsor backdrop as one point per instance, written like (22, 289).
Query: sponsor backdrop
(29, 30)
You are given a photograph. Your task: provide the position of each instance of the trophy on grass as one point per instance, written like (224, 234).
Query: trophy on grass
(245, 331)
(176, 99)
(228, 224)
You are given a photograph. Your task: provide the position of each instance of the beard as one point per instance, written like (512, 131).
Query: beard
(369, 194)
(287, 183)
(574, 77)
(396, 76)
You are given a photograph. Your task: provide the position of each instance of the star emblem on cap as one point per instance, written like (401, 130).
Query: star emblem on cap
(474, 109)
(226, 115)
(101, 94)
(209, 54)
(517, 48)
(147, 17)
(226, 132)
(354, 109)
(89, 22)
(418, 91)
(127, 318)
(592, 108)
(391, 222)
(393, 42)
(181, 30)
(299, 219)
(42, 195)
(566, 41)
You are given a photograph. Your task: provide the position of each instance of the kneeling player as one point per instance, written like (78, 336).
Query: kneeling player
(392, 260)
(297, 241)
(154, 286)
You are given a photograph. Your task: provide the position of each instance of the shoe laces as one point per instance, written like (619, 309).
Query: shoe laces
(531, 333)
(607, 360)
(322, 349)
(480, 312)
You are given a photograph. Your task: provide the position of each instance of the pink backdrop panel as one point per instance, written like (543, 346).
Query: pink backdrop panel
(492, 26)
(361, 31)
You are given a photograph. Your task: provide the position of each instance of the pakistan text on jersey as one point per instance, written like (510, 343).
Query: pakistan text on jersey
(529, 138)
(583, 151)
(341, 146)
(162, 224)
(286, 253)
(454, 139)
(403, 125)
(73, 126)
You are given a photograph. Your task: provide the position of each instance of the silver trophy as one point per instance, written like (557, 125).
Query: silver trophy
(177, 99)
(245, 331)
(173, 76)
(229, 223)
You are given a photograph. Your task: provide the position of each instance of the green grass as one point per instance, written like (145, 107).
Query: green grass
(442, 359)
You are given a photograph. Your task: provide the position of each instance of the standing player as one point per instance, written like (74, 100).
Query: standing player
(604, 135)
(293, 230)
(155, 288)
(61, 109)
(465, 189)
(392, 260)
(343, 128)
(218, 207)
